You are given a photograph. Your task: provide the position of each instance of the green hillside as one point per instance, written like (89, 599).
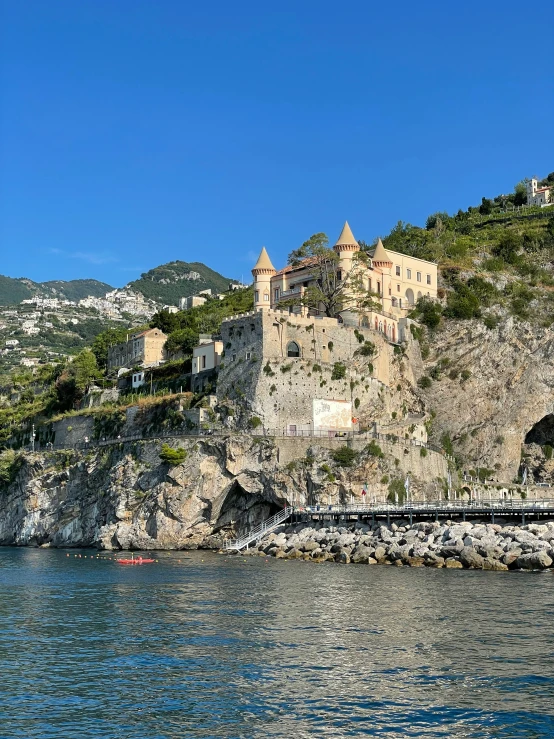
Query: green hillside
(494, 259)
(15, 289)
(78, 289)
(169, 282)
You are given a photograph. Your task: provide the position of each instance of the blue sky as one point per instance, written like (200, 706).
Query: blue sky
(135, 132)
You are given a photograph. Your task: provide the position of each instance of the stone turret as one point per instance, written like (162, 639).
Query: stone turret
(380, 257)
(262, 272)
(346, 247)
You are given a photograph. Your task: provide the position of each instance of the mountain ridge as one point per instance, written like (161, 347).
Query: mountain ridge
(164, 284)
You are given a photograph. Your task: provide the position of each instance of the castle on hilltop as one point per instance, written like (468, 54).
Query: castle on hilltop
(294, 369)
(395, 280)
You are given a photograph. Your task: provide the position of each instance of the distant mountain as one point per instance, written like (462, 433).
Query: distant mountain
(164, 284)
(15, 289)
(78, 289)
(174, 280)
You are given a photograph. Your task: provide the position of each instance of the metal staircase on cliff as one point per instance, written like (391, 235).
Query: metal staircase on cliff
(258, 532)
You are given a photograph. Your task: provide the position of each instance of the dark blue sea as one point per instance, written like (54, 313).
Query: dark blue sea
(204, 645)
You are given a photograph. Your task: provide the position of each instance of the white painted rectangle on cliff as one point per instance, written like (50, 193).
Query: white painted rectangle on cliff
(335, 415)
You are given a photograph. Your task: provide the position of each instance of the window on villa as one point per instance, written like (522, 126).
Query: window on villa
(248, 355)
(339, 275)
(234, 357)
(378, 288)
(398, 271)
(390, 290)
(203, 361)
(257, 296)
(293, 350)
(428, 279)
(398, 288)
(409, 274)
(276, 293)
(266, 297)
(419, 276)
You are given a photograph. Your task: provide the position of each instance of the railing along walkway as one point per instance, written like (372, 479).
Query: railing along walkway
(261, 530)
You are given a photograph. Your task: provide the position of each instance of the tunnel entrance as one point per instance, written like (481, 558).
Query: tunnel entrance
(542, 432)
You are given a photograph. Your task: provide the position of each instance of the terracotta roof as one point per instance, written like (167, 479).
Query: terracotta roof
(303, 264)
(264, 262)
(346, 237)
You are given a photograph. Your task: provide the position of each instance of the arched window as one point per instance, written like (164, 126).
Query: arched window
(293, 350)
(365, 322)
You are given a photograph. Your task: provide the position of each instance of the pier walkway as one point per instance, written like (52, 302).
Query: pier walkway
(523, 510)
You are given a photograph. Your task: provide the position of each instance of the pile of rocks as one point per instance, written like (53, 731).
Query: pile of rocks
(431, 544)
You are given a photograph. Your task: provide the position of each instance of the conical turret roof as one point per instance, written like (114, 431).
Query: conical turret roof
(380, 256)
(346, 237)
(264, 262)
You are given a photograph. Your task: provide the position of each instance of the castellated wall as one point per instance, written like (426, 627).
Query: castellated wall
(259, 379)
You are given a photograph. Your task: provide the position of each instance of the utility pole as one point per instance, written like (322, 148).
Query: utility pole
(33, 438)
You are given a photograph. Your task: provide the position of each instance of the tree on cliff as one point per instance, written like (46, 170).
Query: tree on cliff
(104, 340)
(330, 291)
(75, 379)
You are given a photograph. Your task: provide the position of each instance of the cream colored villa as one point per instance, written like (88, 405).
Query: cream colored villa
(397, 281)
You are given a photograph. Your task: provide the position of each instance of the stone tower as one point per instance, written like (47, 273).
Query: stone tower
(262, 272)
(346, 247)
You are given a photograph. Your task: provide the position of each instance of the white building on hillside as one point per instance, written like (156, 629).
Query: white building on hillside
(538, 195)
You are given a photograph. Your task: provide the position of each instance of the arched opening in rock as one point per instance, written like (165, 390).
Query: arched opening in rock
(542, 432)
(241, 510)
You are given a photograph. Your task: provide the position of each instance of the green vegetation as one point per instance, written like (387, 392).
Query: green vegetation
(339, 371)
(10, 464)
(172, 456)
(255, 422)
(183, 328)
(397, 491)
(374, 449)
(169, 282)
(14, 290)
(344, 456)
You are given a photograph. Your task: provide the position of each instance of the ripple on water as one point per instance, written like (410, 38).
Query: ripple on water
(225, 647)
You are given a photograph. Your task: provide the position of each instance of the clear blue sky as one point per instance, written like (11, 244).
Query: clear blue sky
(135, 132)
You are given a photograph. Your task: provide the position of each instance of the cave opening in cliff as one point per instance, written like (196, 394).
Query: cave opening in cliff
(542, 432)
(244, 509)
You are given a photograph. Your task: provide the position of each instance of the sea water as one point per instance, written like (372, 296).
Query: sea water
(204, 645)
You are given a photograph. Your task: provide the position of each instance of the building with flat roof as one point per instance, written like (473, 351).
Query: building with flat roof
(144, 348)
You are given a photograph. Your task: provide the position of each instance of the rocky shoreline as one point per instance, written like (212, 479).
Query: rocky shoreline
(449, 544)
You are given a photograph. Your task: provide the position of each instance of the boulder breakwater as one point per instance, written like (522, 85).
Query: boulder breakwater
(426, 544)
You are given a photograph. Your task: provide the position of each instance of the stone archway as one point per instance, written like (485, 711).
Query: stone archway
(293, 349)
(410, 296)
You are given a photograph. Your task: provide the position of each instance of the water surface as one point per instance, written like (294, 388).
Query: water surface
(214, 646)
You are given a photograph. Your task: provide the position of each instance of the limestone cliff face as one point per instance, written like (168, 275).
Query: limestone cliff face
(510, 388)
(123, 496)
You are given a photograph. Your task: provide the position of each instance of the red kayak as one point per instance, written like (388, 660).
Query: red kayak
(135, 561)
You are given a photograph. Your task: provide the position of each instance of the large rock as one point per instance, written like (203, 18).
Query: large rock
(342, 558)
(380, 553)
(470, 558)
(534, 561)
(493, 564)
(361, 555)
(453, 564)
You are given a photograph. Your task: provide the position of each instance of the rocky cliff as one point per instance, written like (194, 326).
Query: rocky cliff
(492, 393)
(123, 496)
